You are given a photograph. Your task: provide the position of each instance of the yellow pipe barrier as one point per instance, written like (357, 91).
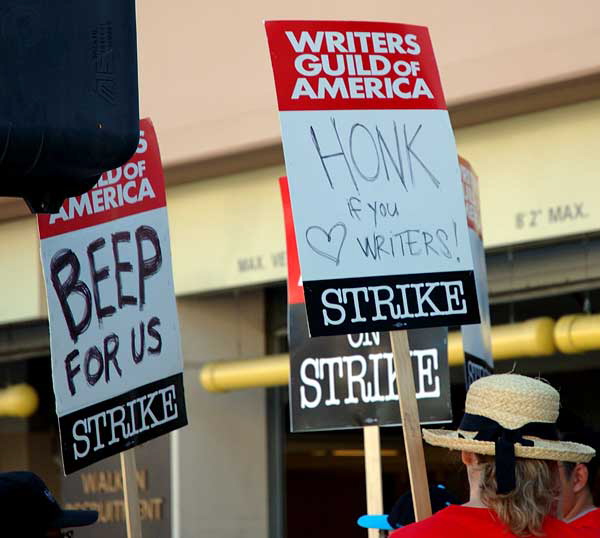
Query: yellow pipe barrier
(455, 349)
(532, 338)
(269, 371)
(577, 333)
(18, 401)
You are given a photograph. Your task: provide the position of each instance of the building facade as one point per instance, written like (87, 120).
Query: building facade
(523, 90)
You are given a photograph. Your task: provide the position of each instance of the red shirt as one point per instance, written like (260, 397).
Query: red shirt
(589, 522)
(466, 522)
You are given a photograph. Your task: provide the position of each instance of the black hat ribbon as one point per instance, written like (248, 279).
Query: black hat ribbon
(505, 439)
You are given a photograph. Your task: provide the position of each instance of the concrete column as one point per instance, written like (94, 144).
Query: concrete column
(220, 459)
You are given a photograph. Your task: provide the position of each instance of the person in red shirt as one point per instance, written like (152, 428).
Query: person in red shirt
(576, 505)
(510, 447)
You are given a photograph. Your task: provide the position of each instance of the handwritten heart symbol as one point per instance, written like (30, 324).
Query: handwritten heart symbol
(315, 236)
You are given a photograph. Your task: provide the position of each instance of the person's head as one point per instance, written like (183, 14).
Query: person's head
(32, 511)
(534, 496)
(510, 446)
(577, 478)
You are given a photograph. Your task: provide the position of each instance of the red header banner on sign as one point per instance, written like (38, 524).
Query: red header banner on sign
(327, 65)
(133, 188)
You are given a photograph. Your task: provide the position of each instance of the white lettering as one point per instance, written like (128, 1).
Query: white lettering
(363, 379)
(313, 68)
(146, 411)
(119, 423)
(170, 410)
(353, 378)
(80, 207)
(303, 88)
(97, 201)
(421, 299)
(411, 41)
(331, 363)
(62, 214)
(96, 421)
(83, 438)
(306, 380)
(324, 300)
(126, 192)
(146, 190)
(455, 296)
(394, 311)
(354, 292)
(428, 382)
(142, 144)
(114, 424)
(305, 40)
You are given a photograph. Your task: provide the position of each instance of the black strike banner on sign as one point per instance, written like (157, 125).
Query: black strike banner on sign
(340, 382)
(354, 305)
(112, 426)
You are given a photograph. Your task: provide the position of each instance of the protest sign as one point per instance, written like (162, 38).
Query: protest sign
(349, 381)
(375, 191)
(477, 338)
(114, 332)
(374, 177)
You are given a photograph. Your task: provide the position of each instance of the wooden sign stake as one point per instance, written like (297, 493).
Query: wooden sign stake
(411, 426)
(130, 490)
(373, 473)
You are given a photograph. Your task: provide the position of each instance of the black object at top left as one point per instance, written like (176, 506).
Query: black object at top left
(68, 96)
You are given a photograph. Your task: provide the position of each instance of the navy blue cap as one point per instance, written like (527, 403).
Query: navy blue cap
(26, 503)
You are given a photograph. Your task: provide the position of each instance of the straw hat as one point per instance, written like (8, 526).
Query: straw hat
(512, 410)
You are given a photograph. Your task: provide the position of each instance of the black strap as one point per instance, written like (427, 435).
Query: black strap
(505, 439)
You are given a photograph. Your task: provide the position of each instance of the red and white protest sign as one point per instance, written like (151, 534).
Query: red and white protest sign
(114, 332)
(374, 177)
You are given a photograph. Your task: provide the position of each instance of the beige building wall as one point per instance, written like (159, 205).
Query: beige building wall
(206, 80)
(220, 458)
(22, 294)
(205, 76)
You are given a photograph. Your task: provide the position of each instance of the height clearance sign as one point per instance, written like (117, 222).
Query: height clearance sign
(374, 177)
(114, 332)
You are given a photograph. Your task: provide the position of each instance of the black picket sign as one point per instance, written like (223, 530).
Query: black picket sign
(348, 381)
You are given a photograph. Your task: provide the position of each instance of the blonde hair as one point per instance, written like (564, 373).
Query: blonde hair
(524, 509)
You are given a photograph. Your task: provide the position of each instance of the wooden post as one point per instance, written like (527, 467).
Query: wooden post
(130, 491)
(373, 473)
(413, 443)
